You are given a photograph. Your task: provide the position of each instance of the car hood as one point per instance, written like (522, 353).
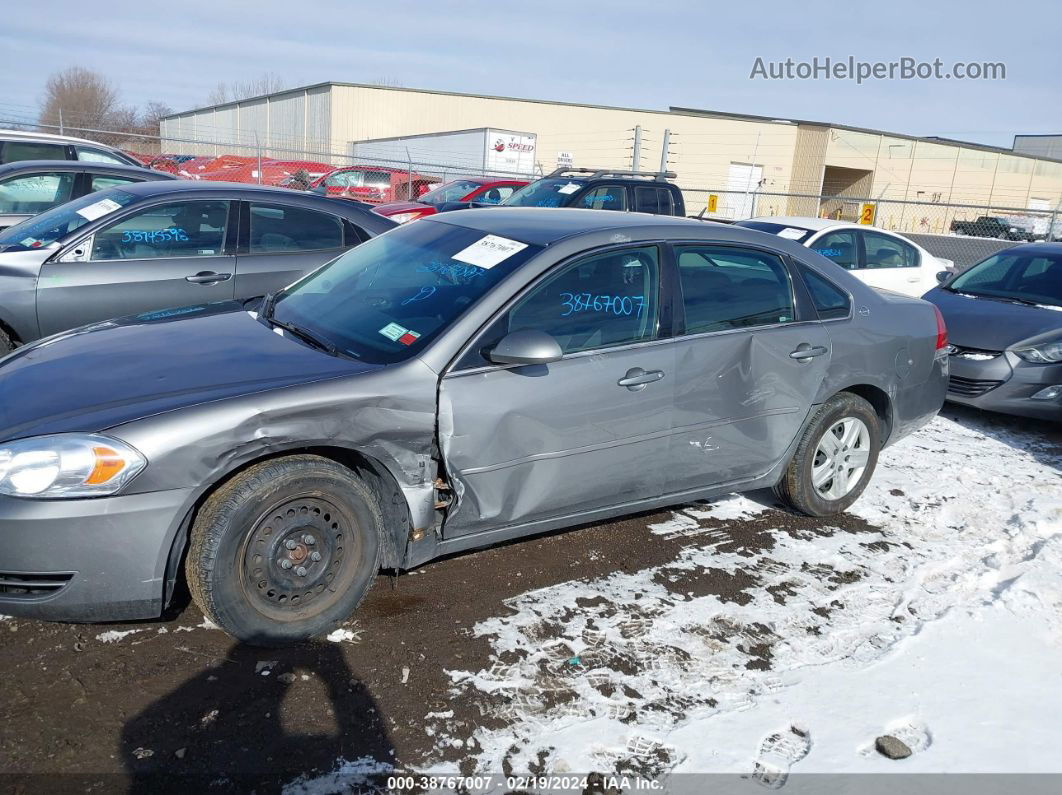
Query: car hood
(988, 324)
(110, 373)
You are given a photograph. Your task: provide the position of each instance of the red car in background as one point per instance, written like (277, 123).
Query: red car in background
(485, 190)
(373, 184)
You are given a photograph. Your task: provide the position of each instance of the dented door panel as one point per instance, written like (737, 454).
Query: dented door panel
(740, 400)
(528, 443)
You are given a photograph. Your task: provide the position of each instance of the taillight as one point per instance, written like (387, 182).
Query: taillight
(942, 330)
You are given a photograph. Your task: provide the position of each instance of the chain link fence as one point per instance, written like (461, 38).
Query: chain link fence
(964, 233)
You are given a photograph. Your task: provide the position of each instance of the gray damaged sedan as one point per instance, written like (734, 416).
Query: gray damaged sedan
(468, 379)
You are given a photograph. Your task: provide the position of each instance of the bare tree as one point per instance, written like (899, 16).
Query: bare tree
(268, 83)
(78, 98)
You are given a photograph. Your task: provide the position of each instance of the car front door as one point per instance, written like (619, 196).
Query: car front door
(166, 255)
(282, 242)
(526, 444)
(750, 360)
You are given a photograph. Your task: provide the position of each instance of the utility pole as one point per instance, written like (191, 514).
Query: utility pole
(61, 122)
(258, 148)
(636, 153)
(664, 151)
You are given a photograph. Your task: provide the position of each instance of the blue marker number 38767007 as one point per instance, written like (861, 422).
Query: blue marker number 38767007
(614, 304)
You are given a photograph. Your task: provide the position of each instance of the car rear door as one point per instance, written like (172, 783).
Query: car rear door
(281, 242)
(750, 359)
(525, 444)
(164, 255)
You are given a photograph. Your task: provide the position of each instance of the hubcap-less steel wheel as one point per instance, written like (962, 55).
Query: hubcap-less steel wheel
(297, 557)
(841, 458)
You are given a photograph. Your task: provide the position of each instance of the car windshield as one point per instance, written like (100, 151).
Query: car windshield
(450, 192)
(1028, 276)
(55, 224)
(797, 233)
(388, 298)
(545, 193)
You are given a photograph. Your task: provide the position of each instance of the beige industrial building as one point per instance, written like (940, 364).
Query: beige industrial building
(747, 162)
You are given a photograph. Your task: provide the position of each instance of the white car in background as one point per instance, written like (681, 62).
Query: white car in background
(874, 256)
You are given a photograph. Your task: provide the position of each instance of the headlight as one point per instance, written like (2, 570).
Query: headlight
(1048, 353)
(67, 465)
(401, 218)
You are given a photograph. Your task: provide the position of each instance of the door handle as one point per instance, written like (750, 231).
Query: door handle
(804, 352)
(637, 378)
(208, 277)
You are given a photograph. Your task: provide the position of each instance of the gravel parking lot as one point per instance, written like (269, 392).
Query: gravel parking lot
(727, 637)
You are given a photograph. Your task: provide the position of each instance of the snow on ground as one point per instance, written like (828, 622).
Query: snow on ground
(938, 619)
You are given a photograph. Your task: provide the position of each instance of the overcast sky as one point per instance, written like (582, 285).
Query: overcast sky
(633, 54)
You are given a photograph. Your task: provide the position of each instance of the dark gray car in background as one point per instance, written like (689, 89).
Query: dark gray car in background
(467, 379)
(29, 187)
(1004, 319)
(156, 245)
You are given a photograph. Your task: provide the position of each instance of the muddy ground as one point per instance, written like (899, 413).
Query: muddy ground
(176, 698)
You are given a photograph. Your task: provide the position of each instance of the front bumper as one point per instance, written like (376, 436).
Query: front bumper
(90, 559)
(1004, 383)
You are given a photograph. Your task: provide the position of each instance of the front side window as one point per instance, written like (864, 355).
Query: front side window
(885, 251)
(830, 301)
(388, 298)
(31, 150)
(545, 193)
(34, 193)
(90, 155)
(727, 288)
(1024, 277)
(603, 300)
(839, 247)
(607, 197)
(450, 192)
(276, 228)
(494, 195)
(178, 229)
(54, 225)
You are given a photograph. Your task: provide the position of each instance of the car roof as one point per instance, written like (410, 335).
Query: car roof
(23, 135)
(806, 222)
(542, 226)
(86, 166)
(1053, 247)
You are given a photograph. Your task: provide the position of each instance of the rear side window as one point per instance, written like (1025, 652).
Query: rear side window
(728, 288)
(104, 181)
(607, 197)
(31, 150)
(276, 229)
(830, 301)
(90, 155)
(30, 194)
(885, 251)
(653, 200)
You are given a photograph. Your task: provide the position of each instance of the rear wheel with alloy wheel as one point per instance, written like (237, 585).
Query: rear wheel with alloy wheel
(835, 458)
(285, 551)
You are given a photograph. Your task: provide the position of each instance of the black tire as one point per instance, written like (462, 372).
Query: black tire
(796, 488)
(6, 345)
(242, 538)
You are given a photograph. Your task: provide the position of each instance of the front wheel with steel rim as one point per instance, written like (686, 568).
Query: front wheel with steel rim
(285, 550)
(835, 458)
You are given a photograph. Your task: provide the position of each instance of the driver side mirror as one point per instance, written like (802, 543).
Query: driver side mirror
(527, 346)
(942, 276)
